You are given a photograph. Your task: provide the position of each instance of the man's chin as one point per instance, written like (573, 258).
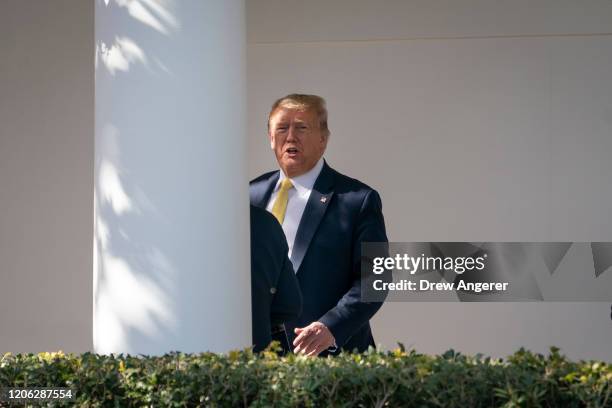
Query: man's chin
(292, 167)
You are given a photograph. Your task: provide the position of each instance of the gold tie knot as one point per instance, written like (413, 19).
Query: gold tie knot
(280, 205)
(286, 185)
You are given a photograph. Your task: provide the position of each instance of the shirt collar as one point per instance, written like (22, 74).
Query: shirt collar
(305, 182)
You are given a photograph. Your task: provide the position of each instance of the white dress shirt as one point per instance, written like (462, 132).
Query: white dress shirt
(298, 198)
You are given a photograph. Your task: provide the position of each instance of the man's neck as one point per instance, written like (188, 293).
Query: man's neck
(308, 178)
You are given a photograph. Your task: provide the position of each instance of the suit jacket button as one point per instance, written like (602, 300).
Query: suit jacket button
(272, 290)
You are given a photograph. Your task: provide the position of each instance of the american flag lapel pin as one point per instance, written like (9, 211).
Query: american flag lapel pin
(323, 199)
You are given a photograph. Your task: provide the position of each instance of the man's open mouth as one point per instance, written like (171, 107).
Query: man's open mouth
(292, 150)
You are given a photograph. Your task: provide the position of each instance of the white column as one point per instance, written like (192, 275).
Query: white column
(171, 232)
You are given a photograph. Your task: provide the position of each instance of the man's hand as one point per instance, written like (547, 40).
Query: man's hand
(313, 339)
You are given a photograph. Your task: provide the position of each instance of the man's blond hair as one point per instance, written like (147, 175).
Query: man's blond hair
(303, 102)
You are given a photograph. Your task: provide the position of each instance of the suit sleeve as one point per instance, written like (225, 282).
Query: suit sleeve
(287, 301)
(350, 313)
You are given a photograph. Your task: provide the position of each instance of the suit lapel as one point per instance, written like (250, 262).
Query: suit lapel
(261, 191)
(319, 200)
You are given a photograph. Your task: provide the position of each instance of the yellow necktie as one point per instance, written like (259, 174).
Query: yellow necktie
(280, 204)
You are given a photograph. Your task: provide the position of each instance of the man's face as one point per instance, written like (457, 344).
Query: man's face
(297, 140)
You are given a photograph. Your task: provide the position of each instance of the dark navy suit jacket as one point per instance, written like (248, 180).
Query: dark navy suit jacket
(275, 293)
(341, 213)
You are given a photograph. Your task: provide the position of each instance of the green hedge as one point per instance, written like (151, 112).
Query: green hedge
(372, 379)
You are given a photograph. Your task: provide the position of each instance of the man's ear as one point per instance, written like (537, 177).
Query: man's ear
(324, 139)
(272, 141)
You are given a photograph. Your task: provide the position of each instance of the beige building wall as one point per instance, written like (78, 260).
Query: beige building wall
(46, 175)
(476, 121)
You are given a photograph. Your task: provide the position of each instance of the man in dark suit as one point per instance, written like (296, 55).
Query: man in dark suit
(325, 216)
(275, 294)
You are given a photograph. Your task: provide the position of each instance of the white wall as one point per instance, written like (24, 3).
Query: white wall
(476, 121)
